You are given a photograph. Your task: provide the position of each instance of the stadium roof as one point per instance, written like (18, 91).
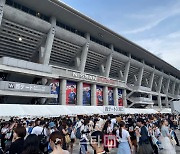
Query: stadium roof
(73, 18)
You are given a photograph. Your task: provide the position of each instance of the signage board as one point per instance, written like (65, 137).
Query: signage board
(24, 87)
(113, 109)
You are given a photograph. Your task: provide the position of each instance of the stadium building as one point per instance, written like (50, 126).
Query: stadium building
(53, 54)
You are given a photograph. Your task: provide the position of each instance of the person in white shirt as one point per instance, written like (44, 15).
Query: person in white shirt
(113, 121)
(124, 140)
(38, 130)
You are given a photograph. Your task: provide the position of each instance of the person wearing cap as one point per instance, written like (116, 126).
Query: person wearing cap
(144, 143)
(52, 127)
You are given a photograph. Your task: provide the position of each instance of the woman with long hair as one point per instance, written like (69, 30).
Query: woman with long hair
(124, 140)
(168, 148)
(31, 145)
(56, 141)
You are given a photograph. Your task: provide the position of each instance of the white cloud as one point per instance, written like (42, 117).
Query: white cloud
(154, 18)
(166, 47)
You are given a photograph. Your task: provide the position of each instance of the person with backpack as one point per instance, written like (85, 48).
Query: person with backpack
(144, 143)
(41, 131)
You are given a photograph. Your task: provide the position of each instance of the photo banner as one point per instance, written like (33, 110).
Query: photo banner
(86, 94)
(99, 95)
(120, 99)
(110, 96)
(55, 89)
(71, 93)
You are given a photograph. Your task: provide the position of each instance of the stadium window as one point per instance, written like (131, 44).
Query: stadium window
(27, 10)
(9, 2)
(32, 12)
(121, 51)
(136, 58)
(99, 42)
(71, 29)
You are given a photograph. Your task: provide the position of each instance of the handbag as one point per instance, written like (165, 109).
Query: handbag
(173, 141)
(43, 143)
(67, 139)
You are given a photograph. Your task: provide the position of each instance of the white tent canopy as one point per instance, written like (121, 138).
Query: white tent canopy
(7, 110)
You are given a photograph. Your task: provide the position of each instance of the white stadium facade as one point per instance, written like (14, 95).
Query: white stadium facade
(53, 54)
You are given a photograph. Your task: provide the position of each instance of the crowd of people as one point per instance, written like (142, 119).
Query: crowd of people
(128, 134)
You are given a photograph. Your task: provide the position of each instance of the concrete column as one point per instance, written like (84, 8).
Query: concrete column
(167, 102)
(2, 3)
(108, 62)
(124, 95)
(62, 97)
(160, 84)
(173, 87)
(49, 42)
(167, 86)
(151, 80)
(80, 93)
(84, 57)
(159, 101)
(115, 94)
(150, 97)
(93, 95)
(177, 91)
(140, 76)
(126, 72)
(84, 53)
(105, 96)
(108, 65)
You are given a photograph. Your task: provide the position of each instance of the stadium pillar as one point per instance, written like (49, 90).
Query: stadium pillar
(80, 93)
(160, 84)
(167, 86)
(177, 91)
(62, 97)
(115, 92)
(173, 87)
(2, 3)
(108, 62)
(126, 72)
(124, 95)
(49, 42)
(159, 101)
(84, 54)
(105, 96)
(150, 97)
(108, 65)
(151, 80)
(166, 101)
(140, 76)
(93, 95)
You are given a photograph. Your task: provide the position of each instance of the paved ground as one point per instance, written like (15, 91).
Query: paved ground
(114, 151)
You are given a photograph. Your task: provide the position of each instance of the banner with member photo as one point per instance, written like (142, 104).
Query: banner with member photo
(120, 99)
(71, 93)
(55, 89)
(110, 96)
(99, 96)
(86, 94)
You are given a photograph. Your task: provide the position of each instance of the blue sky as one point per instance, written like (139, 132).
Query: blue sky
(152, 24)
